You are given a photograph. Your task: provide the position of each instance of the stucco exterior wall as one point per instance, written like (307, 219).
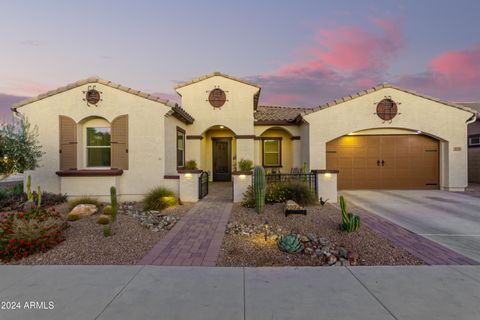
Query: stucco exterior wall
(146, 134)
(438, 120)
(170, 138)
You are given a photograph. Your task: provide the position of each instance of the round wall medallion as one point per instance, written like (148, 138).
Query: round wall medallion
(387, 109)
(217, 97)
(92, 96)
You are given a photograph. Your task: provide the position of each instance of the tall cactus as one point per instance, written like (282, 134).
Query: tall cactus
(39, 197)
(259, 188)
(29, 189)
(350, 222)
(113, 201)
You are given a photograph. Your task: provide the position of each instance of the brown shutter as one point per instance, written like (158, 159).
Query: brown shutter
(120, 142)
(68, 143)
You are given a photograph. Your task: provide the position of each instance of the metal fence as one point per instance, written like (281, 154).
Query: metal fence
(308, 178)
(202, 185)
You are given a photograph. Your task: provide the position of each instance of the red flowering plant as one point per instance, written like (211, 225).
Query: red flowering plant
(25, 233)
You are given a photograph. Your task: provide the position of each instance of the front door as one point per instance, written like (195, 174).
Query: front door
(222, 163)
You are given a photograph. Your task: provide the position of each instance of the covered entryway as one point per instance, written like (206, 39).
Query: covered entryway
(385, 161)
(221, 159)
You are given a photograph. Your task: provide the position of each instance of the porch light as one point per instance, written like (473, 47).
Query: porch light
(188, 175)
(419, 132)
(221, 127)
(242, 177)
(328, 175)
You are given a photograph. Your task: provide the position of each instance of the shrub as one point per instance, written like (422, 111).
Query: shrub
(168, 201)
(107, 210)
(73, 216)
(292, 190)
(191, 165)
(248, 198)
(50, 199)
(103, 219)
(25, 233)
(245, 165)
(83, 200)
(3, 193)
(154, 199)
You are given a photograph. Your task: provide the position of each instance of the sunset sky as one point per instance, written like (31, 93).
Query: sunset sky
(301, 52)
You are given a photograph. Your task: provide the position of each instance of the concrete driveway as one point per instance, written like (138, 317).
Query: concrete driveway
(451, 219)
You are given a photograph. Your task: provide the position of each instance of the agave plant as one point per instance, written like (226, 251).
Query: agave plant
(290, 243)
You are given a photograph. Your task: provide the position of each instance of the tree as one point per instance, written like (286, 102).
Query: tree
(19, 148)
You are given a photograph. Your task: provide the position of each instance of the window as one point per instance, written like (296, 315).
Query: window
(272, 152)
(180, 148)
(98, 147)
(474, 141)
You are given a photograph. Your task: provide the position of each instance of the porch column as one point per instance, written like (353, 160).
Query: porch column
(189, 185)
(245, 148)
(193, 149)
(327, 185)
(297, 152)
(241, 181)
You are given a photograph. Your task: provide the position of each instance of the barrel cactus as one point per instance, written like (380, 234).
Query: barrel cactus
(350, 222)
(259, 188)
(290, 243)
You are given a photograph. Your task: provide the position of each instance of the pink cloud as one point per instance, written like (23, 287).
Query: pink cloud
(24, 87)
(453, 75)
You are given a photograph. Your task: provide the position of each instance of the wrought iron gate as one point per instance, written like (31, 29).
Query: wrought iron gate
(202, 185)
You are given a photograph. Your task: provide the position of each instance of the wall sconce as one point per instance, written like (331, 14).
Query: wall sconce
(242, 177)
(328, 175)
(188, 176)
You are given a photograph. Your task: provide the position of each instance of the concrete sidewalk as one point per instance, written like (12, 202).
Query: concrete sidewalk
(155, 292)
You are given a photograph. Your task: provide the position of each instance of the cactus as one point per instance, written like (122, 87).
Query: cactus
(72, 216)
(104, 219)
(259, 188)
(29, 189)
(39, 197)
(290, 243)
(350, 222)
(113, 201)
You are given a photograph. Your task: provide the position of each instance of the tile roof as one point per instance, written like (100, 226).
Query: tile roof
(471, 105)
(280, 114)
(382, 86)
(178, 110)
(213, 74)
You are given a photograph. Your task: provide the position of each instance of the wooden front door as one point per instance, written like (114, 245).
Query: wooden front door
(222, 160)
(385, 162)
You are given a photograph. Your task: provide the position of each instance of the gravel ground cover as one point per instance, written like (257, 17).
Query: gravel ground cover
(251, 249)
(86, 245)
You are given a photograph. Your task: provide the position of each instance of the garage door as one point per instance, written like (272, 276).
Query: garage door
(385, 162)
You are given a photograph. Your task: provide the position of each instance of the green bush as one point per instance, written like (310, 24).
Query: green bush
(158, 199)
(191, 165)
(3, 193)
(103, 219)
(293, 190)
(248, 198)
(245, 165)
(83, 200)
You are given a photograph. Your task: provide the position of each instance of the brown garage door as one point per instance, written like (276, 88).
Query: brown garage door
(385, 162)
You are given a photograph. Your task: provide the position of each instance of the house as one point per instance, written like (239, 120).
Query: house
(473, 144)
(96, 134)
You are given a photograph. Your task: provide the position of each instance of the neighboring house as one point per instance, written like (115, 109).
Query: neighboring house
(473, 144)
(96, 134)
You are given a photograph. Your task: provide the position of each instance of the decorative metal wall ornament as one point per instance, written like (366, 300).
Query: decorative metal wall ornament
(387, 109)
(92, 96)
(217, 97)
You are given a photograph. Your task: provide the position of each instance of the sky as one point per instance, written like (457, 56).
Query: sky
(302, 53)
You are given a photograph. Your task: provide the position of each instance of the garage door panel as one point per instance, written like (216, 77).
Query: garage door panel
(410, 162)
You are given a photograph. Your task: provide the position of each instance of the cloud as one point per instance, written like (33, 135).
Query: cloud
(24, 87)
(336, 62)
(32, 43)
(453, 75)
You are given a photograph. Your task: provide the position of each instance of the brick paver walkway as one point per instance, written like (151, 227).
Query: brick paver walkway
(196, 239)
(429, 251)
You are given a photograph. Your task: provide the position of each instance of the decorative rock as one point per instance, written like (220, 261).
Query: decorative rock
(309, 251)
(318, 252)
(342, 252)
(330, 259)
(323, 241)
(304, 238)
(84, 210)
(312, 237)
(352, 257)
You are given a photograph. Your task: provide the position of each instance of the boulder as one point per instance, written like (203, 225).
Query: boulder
(84, 209)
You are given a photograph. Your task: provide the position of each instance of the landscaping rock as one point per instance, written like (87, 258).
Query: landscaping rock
(330, 259)
(309, 251)
(303, 238)
(313, 237)
(323, 241)
(85, 210)
(342, 252)
(353, 258)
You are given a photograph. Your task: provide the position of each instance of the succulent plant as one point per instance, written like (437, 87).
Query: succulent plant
(290, 243)
(350, 222)
(259, 188)
(107, 210)
(113, 201)
(103, 219)
(72, 216)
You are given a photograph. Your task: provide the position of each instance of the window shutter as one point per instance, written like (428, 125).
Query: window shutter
(119, 142)
(68, 143)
